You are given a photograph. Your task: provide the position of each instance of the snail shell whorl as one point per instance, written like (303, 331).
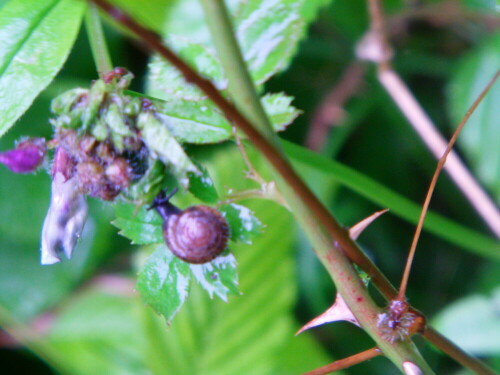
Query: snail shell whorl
(197, 234)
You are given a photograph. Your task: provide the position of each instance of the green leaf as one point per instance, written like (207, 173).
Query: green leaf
(98, 333)
(140, 225)
(481, 5)
(480, 138)
(149, 185)
(268, 33)
(35, 40)
(219, 277)
(161, 142)
(375, 192)
(472, 323)
(279, 110)
(202, 186)
(164, 282)
(250, 334)
(194, 122)
(243, 223)
(151, 13)
(166, 82)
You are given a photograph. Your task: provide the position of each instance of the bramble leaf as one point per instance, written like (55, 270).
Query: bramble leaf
(194, 121)
(219, 277)
(279, 109)
(141, 226)
(162, 144)
(268, 33)
(35, 40)
(202, 186)
(243, 223)
(164, 282)
(166, 82)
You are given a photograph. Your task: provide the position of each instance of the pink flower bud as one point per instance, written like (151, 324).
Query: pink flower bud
(26, 157)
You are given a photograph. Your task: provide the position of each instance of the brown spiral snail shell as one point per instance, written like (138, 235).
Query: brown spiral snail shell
(196, 235)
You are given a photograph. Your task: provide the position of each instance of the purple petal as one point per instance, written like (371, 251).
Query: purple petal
(26, 157)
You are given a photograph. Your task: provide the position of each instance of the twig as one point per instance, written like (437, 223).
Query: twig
(417, 117)
(425, 206)
(346, 362)
(376, 41)
(437, 144)
(252, 172)
(457, 353)
(330, 111)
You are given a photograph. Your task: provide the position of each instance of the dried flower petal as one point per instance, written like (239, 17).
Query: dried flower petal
(26, 157)
(65, 220)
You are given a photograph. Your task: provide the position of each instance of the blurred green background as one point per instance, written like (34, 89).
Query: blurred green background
(83, 316)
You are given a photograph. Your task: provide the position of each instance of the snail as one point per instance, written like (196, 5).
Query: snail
(197, 234)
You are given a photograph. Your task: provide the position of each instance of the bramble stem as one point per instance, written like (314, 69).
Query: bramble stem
(455, 352)
(420, 121)
(346, 362)
(97, 41)
(440, 165)
(330, 240)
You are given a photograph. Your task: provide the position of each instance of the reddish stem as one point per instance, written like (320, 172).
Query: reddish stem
(346, 362)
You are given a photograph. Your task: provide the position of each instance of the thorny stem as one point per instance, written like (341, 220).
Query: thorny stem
(316, 218)
(97, 41)
(457, 353)
(425, 206)
(321, 215)
(346, 362)
(409, 106)
(407, 103)
(268, 150)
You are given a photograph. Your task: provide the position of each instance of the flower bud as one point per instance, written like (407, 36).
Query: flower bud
(26, 157)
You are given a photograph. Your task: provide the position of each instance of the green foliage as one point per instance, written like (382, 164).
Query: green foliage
(399, 205)
(107, 328)
(202, 186)
(481, 136)
(35, 40)
(164, 282)
(140, 225)
(244, 225)
(104, 331)
(472, 323)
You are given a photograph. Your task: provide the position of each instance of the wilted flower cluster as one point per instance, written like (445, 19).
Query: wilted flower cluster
(99, 152)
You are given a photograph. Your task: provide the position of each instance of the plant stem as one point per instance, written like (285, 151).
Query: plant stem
(346, 362)
(331, 254)
(457, 353)
(317, 221)
(422, 124)
(97, 41)
(440, 165)
(313, 216)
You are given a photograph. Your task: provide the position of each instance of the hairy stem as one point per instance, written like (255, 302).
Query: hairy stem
(315, 217)
(329, 252)
(97, 41)
(346, 362)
